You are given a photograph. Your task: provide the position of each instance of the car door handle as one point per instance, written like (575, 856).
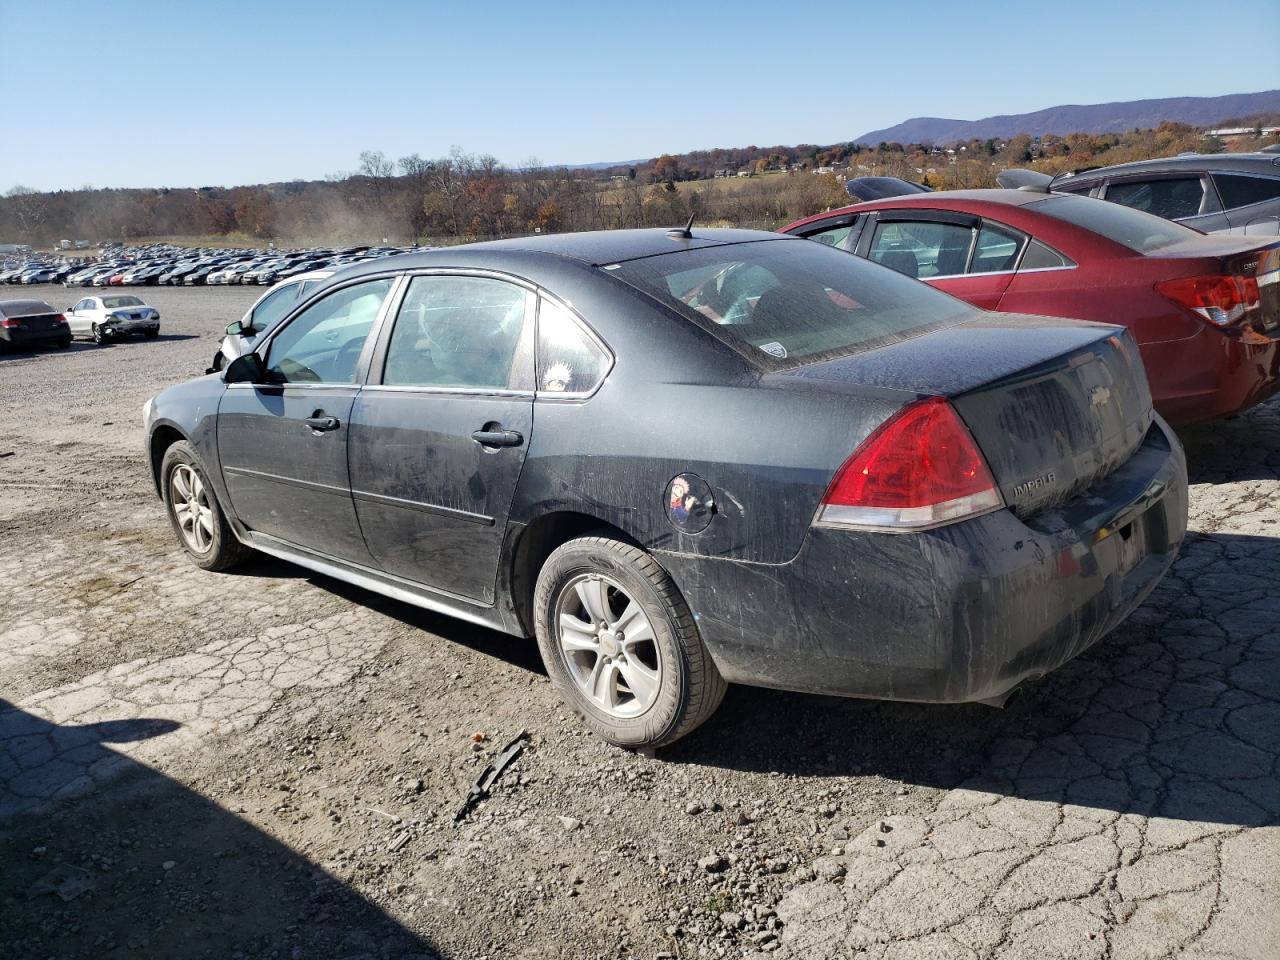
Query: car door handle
(320, 424)
(497, 438)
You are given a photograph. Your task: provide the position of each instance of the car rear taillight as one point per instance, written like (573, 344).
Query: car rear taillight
(1222, 300)
(919, 469)
(60, 319)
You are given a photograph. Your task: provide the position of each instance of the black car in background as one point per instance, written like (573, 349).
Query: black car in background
(32, 323)
(1218, 193)
(684, 458)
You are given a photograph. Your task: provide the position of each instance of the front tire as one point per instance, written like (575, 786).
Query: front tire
(194, 511)
(621, 645)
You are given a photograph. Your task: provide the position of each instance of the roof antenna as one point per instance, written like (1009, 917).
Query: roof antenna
(685, 234)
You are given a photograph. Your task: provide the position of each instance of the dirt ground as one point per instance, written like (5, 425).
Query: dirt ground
(266, 764)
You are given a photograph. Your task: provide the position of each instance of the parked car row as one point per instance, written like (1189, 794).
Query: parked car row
(101, 319)
(219, 267)
(1204, 311)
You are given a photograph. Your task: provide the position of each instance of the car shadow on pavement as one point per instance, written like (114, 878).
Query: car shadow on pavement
(142, 866)
(1175, 714)
(1244, 447)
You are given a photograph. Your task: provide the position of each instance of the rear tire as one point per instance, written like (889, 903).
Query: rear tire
(634, 687)
(194, 511)
(152, 334)
(97, 334)
(64, 344)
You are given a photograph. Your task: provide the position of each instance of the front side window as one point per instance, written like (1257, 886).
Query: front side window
(996, 251)
(323, 343)
(1237, 190)
(840, 237)
(780, 303)
(457, 332)
(569, 360)
(273, 308)
(922, 249)
(1168, 197)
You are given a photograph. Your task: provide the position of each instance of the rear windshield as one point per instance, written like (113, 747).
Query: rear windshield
(784, 302)
(1140, 232)
(112, 303)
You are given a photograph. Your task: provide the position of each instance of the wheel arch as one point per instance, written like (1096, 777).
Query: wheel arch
(163, 436)
(535, 542)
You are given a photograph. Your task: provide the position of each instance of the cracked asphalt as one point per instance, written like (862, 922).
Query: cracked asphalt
(267, 763)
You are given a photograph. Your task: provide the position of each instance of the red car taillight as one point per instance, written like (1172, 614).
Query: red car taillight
(1222, 300)
(920, 468)
(10, 322)
(60, 319)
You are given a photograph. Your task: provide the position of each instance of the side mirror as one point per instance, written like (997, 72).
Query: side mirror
(246, 368)
(235, 329)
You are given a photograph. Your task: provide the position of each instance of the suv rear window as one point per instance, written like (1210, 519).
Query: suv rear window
(1140, 232)
(782, 302)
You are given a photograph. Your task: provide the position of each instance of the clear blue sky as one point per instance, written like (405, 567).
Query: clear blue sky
(184, 94)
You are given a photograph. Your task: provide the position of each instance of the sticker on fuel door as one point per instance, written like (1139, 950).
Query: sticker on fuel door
(690, 504)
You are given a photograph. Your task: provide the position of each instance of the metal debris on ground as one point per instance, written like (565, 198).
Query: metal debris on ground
(490, 774)
(66, 881)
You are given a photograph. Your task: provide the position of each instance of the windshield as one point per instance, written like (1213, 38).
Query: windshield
(782, 303)
(112, 302)
(1140, 232)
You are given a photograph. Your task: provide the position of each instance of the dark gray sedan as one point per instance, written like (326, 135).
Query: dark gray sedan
(1237, 193)
(25, 323)
(680, 459)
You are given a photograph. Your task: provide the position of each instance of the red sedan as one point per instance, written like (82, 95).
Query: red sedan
(1205, 310)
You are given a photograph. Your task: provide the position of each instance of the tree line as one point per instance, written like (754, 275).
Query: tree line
(464, 196)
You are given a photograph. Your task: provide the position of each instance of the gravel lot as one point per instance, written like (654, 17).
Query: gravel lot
(267, 764)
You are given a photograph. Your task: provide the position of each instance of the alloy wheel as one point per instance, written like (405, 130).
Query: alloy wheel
(191, 508)
(608, 645)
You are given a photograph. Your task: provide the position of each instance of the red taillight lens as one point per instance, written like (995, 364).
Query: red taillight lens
(918, 469)
(60, 319)
(1222, 300)
(10, 323)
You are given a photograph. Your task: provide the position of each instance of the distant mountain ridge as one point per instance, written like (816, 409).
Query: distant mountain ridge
(1079, 118)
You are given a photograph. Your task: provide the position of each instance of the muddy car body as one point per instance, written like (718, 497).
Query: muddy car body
(702, 457)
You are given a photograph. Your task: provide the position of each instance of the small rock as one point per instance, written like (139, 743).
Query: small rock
(840, 833)
(885, 827)
(714, 864)
(763, 937)
(902, 791)
(570, 823)
(878, 842)
(829, 869)
(168, 865)
(693, 809)
(39, 851)
(731, 920)
(743, 820)
(66, 881)
(778, 866)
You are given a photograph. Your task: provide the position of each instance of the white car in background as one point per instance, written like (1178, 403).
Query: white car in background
(268, 310)
(112, 316)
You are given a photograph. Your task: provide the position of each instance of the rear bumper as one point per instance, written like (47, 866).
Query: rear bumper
(37, 336)
(122, 328)
(962, 613)
(1211, 375)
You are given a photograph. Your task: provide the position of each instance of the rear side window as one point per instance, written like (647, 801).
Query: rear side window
(997, 249)
(1237, 190)
(570, 361)
(922, 249)
(781, 303)
(1140, 232)
(1040, 256)
(1168, 197)
(457, 332)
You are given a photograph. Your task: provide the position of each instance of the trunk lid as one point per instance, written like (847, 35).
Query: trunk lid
(1055, 405)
